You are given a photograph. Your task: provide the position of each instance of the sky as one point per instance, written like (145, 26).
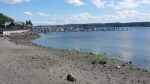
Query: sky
(56, 12)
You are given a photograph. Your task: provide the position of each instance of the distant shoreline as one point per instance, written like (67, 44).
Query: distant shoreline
(114, 24)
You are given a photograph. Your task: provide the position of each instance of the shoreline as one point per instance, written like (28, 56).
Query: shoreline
(28, 63)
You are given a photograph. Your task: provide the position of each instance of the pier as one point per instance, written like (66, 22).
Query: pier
(49, 29)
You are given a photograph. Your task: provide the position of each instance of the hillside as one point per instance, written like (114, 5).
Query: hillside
(4, 18)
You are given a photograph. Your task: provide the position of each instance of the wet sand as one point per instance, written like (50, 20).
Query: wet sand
(22, 62)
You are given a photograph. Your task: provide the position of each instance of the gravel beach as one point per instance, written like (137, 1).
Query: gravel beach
(22, 62)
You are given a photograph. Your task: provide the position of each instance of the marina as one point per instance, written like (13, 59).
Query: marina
(49, 29)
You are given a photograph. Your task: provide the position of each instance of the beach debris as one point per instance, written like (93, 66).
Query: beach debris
(118, 67)
(71, 78)
(114, 62)
(102, 62)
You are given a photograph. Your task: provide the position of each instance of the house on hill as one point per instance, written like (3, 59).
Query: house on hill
(9, 25)
(13, 25)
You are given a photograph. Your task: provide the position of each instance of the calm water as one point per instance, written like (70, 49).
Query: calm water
(123, 45)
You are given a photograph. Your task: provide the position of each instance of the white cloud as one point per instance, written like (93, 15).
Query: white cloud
(98, 3)
(43, 14)
(14, 1)
(75, 2)
(127, 14)
(28, 13)
(144, 1)
(82, 17)
(118, 16)
(124, 4)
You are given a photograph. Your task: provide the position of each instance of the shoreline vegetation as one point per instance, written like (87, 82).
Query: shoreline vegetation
(22, 62)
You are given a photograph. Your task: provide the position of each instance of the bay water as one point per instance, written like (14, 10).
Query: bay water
(122, 45)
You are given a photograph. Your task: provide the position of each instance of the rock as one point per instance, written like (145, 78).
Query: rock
(91, 54)
(33, 57)
(118, 67)
(86, 56)
(130, 62)
(93, 62)
(71, 78)
(102, 62)
(104, 53)
(123, 64)
(139, 68)
(144, 70)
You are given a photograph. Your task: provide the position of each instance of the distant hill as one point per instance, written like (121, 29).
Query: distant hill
(129, 24)
(91, 25)
(4, 18)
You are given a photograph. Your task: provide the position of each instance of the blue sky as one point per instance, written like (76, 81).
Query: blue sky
(51, 12)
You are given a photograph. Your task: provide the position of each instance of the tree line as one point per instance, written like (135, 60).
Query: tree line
(130, 24)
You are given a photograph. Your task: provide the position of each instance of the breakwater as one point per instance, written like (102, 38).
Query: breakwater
(14, 31)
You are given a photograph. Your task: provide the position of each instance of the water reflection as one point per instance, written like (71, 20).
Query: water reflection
(126, 46)
(126, 56)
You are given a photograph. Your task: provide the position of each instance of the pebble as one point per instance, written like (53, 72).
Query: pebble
(118, 67)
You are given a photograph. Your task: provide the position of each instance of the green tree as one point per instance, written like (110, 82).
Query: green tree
(29, 24)
(4, 18)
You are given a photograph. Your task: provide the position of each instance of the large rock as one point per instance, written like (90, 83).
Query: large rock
(102, 62)
(71, 78)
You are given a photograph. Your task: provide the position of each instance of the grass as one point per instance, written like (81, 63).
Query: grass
(103, 57)
(99, 57)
